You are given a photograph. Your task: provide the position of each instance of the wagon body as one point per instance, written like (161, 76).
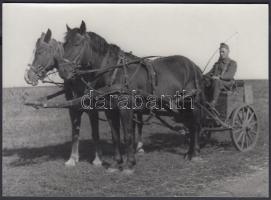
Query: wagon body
(235, 109)
(230, 100)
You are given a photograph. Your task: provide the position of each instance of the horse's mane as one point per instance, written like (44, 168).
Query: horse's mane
(70, 34)
(57, 47)
(98, 43)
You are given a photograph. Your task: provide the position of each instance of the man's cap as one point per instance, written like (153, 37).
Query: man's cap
(224, 45)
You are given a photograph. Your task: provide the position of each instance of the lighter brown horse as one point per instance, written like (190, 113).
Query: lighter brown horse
(49, 55)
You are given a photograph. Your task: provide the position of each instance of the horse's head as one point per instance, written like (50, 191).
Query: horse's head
(84, 48)
(75, 43)
(67, 70)
(47, 51)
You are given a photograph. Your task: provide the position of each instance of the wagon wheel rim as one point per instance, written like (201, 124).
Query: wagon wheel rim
(244, 128)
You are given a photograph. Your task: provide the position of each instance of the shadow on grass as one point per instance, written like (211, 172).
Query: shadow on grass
(179, 144)
(34, 155)
(166, 142)
(28, 156)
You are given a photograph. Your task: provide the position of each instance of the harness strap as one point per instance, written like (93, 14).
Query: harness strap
(133, 75)
(152, 75)
(86, 83)
(123, 62)
(113, 77)
(125, 74)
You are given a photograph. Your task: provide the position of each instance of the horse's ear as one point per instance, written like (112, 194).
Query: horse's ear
(68, 28)
(41, 37)
(47, 36)
(83, 27)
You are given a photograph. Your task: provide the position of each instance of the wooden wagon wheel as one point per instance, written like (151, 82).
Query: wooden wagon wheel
(244, 132)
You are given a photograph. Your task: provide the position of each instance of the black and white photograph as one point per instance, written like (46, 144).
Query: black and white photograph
(135, 100)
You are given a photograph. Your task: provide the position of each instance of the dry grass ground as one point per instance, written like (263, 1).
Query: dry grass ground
(37, 142)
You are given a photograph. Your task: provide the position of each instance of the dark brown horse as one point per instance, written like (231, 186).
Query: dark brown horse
(174, 73)
(49, 55)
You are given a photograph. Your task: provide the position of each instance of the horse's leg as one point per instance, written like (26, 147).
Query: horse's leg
(127, 123)
(197, 116)
(94, 121)
(139, 147)
(192, 122)
(114, 123)
(75, 116)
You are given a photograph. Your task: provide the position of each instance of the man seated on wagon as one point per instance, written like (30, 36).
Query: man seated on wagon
(220, 77)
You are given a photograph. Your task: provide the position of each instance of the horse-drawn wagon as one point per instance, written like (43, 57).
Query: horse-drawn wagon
(92, 59)
(234, 112)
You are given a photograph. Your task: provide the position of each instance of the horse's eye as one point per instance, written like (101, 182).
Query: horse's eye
(76, 44)
(39, 51)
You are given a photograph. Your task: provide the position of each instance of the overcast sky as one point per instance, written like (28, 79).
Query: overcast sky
(194, 31)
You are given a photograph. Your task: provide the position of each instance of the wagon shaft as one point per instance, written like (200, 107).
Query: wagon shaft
(43, 102)
(48, 104)
(65, 104)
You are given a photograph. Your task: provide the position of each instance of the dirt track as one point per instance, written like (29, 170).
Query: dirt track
(249, 185)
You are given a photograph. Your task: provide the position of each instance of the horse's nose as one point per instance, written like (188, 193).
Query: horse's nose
(26, 78)
(31, 77)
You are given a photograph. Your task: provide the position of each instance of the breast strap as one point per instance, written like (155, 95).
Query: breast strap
(148, 64)
(152, 75)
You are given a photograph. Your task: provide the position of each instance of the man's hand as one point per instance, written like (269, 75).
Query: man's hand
(207, 80)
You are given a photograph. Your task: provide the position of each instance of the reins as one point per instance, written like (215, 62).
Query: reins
(57, 52)
(112, 67)
(41, 70)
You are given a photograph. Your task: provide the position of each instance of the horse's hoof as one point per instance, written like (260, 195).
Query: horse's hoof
(70, 163)
(141, 151)
(112, 170)
(187, 157)
(128, 171)
(198, 159)
(97, 163)
(139, 148)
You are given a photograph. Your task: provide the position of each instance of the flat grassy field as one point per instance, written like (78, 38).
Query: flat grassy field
(36, 143)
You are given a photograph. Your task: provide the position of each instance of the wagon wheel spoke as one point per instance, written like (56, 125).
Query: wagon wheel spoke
(252, 124)
(238, 130)
(237, 127)
(240, 135)
(243, 141)
(249, 137)
(254, 132)
(254, 129)
(244, 113)
(247, 142)
(251, 117)
(247, 114)
(238, 124)
(240, 118)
